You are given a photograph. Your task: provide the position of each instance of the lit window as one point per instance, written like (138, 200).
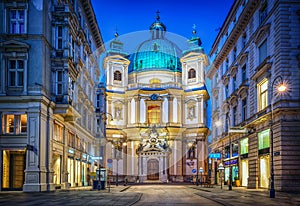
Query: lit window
(17, 21)
(14, 123)
(16, 73)
(154, 114)
(58, 132)
(264, 139)
(244, 146)
(262, 92)
(191, 74)
(117, 76)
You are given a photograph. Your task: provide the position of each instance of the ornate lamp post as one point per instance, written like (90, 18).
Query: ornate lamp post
(281, 87)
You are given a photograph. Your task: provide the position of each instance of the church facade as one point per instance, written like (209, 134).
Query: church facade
(157, 100)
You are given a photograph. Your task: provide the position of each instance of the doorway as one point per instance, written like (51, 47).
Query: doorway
(13, 167)
(153, 169)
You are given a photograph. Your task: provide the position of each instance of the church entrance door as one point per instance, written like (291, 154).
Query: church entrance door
(152, 169)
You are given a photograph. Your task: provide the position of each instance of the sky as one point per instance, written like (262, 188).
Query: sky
(132, 19)
(179, 16)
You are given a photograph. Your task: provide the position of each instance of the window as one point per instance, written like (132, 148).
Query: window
(226, 64)
(264, 139)
(117, 76)
(98, 101)
(263, 13)
(244, 146)
(262, 94)
(244, 40)
(14, 123)
(262, 49)
(17, 21)
(59, 82)
(58, 132)
(235, 116)
(191, 74)
(154, 114)
(71, 139)
(234, 53)
(59, 37)
(244, 109)
(235, 149)
(226, 91)
(244, 74)
(233, 83)
(71, 90)
(15, 73)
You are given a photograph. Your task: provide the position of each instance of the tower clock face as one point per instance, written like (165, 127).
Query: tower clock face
(154, 97)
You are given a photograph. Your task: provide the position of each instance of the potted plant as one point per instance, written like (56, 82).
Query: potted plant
(237, 181)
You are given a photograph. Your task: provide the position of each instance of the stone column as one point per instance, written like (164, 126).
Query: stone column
(64, 164)
(170, 108)
(137, 110)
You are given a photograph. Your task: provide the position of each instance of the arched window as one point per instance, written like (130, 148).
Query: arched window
(191, 74)
(118, 76)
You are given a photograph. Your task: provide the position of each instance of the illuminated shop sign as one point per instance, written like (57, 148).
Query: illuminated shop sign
(232, 162)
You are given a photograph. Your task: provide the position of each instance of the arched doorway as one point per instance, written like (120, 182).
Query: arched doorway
(152, 169)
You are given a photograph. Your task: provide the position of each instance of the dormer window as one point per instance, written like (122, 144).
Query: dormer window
(191, 74)
(117, 76)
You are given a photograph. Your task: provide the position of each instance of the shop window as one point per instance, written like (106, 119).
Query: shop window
(191, 74)
(14, 123)
(244, 146)
(262, 91)
(235, 150)
(117, 76)
(154, 114)
(264, 139)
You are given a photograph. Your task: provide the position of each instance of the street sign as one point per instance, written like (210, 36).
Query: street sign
(109, 161)
(194, 170)
(215, 155)
(109, 165)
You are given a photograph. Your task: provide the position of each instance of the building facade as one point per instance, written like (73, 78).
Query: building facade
(49, 76)
(256, 125)
(157, 99)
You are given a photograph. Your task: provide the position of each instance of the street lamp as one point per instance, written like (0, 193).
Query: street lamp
(230, 154)
(281, 87)
(102, 127)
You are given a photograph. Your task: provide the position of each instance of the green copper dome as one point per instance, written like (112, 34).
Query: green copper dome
(157, 53)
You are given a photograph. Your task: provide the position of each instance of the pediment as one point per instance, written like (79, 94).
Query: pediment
(14, 44)
(261, 34)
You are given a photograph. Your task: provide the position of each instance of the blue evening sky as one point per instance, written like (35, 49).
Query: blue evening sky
(132, 20)
(178, 16)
